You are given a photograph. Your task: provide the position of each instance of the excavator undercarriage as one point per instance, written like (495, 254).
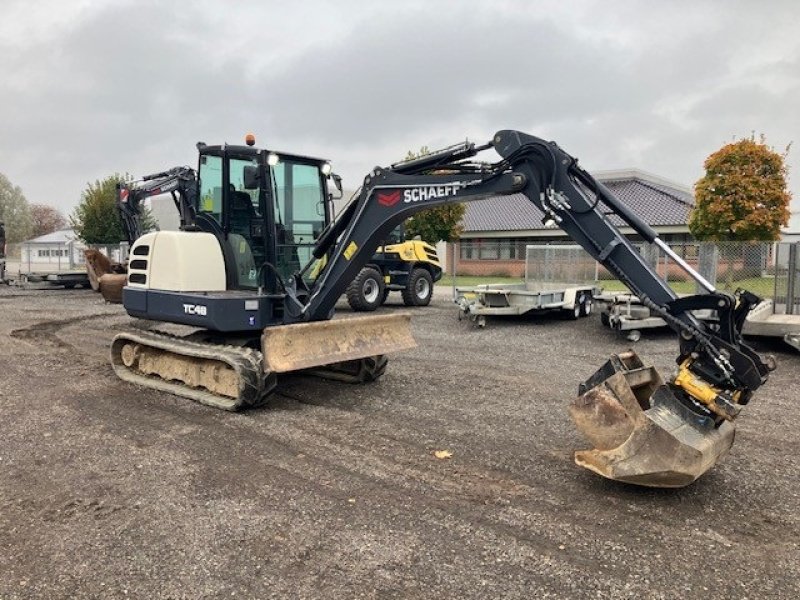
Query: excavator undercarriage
(226, 373)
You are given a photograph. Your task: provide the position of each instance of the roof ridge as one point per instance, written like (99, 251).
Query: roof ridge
(655, 186)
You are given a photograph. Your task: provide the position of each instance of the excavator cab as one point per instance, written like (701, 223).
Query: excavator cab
(266, 210)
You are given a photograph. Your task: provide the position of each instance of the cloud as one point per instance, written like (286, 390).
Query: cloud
(91, 88)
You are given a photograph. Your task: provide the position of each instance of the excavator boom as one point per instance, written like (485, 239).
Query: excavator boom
(646, 431)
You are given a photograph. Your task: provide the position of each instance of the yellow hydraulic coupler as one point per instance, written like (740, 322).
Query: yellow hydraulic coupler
(721, 403)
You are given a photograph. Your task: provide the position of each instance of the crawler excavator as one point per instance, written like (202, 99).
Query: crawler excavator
(259, 271)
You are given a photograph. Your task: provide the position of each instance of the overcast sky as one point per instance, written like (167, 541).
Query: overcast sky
(91, 87)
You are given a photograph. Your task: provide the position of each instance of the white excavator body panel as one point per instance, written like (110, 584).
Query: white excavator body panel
(177, 261)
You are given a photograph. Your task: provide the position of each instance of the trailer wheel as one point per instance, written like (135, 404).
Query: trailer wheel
(365, 292)
(586, 305)
(419, 290)
(634, 335)
(579, 309)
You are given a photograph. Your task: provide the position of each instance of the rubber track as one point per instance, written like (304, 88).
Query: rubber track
(254, 385)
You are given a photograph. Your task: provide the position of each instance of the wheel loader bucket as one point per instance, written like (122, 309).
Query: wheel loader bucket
(320, 343)
(641, 432)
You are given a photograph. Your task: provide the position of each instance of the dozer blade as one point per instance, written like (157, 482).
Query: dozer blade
(641, 431)
(321, 343)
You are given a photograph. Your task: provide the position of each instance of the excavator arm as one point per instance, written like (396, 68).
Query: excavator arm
(108, 277)
(179, 182)
(624, 401)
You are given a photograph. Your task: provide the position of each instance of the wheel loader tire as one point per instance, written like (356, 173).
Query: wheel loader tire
(419, 290)
(365, 292)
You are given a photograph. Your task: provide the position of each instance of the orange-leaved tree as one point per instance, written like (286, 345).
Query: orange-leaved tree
(743, 195)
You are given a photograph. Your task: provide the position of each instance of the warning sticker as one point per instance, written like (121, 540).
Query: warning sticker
(350, 250)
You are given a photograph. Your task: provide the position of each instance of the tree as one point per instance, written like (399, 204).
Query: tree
(46, 219)
(96, 220)
(743, 195)
(14, 212)
(439, 223)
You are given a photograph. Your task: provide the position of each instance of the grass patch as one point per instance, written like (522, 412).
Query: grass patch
(470, 280)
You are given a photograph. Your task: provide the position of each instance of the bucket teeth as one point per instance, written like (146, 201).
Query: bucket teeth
(641, 431)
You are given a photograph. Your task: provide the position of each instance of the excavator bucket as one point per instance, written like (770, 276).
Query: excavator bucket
(338, 341)
(105, 277)
(111, 287)
(641, 431)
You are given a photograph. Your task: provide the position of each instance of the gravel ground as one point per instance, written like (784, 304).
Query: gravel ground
(108, 490)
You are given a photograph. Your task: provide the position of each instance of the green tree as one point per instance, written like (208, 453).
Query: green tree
(743, 195)
(439, 223)
(15, 212)
(96, 219)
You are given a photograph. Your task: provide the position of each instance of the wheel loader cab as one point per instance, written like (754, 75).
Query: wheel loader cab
(266, 210)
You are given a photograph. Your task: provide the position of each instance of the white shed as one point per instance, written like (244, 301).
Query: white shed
(57, 251)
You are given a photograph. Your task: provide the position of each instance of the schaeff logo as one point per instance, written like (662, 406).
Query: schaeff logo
(418, 194)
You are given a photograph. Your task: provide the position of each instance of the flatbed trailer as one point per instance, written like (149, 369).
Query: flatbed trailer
(501, 299)
(624, 312)
(763, 321)
(68, 279)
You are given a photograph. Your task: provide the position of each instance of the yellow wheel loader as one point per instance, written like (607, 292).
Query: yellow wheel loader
(410, 267)
(247, 270)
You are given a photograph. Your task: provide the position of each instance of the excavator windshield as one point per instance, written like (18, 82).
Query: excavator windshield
(266, 209)
(299, 195)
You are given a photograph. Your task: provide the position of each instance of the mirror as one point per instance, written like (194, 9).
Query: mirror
(251, 177)
(337, 181)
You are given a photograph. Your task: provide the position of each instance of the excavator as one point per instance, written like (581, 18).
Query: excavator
(259, 265)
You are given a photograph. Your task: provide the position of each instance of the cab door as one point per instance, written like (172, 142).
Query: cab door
(236, 215)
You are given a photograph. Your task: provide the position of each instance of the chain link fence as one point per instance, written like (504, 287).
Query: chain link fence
(768, 269)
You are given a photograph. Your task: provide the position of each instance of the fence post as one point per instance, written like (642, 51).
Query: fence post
(707, 258)
(791, 282)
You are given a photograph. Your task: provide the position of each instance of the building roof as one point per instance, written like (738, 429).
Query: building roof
(62, 236)
(656, 201)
